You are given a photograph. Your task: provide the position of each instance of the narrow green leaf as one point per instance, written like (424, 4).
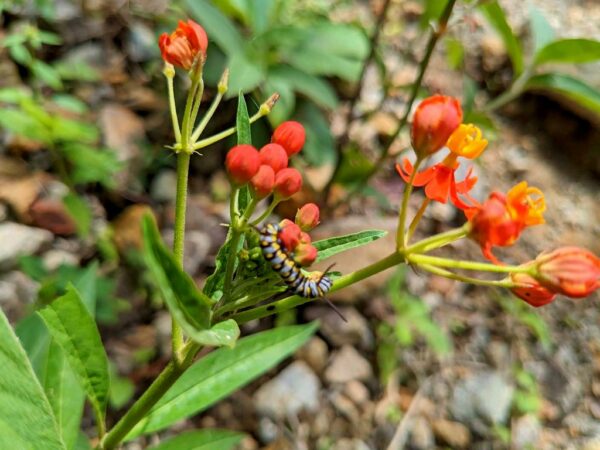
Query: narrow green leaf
(242, 122)
(74, 329)
(202, 440)
(190, 307)
(220, 29)
(80, 211)
(332, 246)
(222, 372)
(541, 31)
(569, 51)
(569, 87)
(26, 418)
(495, 15)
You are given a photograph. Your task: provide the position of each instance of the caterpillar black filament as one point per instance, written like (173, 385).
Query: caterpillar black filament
(313, 285)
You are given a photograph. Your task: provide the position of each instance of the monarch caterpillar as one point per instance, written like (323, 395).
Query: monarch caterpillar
(313, 285)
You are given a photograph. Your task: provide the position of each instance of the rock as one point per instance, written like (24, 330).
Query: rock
(344, 406)
(141, 43)
(197, 246)
(347, 365)
(55, 258)
(591, 444)
(162, 324)
(296, 388)
(51, 214)
(454, 434)
(128, 227)
(164, 186)
(19, 240)
(421, 436)
(268, 430)
(350, 444)
(486, 395)
(354, 330)
(525, 432)
(16, 291)
(357, 392)
(314, 353)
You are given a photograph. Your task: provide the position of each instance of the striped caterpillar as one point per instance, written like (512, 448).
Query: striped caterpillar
(313, 285)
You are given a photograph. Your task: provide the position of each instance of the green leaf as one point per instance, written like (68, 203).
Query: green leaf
(73, 328)
(242, 122)
(14, 95)
(320, 148)
(569, 87)
(222, 372)
(287, 98)
(541, 31)
(217, 26)
(23, 124)
(26, 418)
(312, 87)
(495, 15)
(80, 211)
(91, 164)
(74, 130)
(246, 71)
(569, 51)
(332, 246)
(190, 307)
(455, 53)
(46, 74)
(202, 440)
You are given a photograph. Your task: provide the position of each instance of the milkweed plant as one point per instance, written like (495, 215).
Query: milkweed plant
(263, 267)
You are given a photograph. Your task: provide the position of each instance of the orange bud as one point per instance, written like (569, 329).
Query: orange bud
(263, 181)
(287, 182)
(184, 45)
(291, 136)
(305, 254)
(570, 271)
(242, 163)
(274, 155)
(307, 217)
(305, 238)
(290, 236)
(530, 290)
(435, 119)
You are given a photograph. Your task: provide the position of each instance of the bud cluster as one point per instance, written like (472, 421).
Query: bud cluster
(294, 235)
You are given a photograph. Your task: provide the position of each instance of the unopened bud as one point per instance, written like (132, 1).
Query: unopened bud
(307, 217)
(570, 271)
(530, 290)
(290, 236)
(223, 82)
(242, 163)
(267, 106)
(262, 182)
(305, 254)
(287, 182)
(291, 136)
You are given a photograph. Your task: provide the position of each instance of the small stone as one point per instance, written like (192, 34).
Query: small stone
(344, 406)
(525, 432)
(353, 330)
(295, 389)
(52, 215)
(164, 186)
(357, 392)
(19, 240)
(268, 430)
(454, 434)
(421, 436)
(350, 444)
(347, 364)
(55, 258)
(315, 353)
(16, 291)
(141, 44)
(197, 246)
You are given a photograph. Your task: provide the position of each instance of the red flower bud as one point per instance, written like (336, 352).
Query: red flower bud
(434, 121)
(274, 155)
(291, 136)
(287, 182)
(290, 236)
(182, 47)
(263, 182)
(530, 290)
(242, 163)
(570, 271)
(305, 254)
(307, 217)
(305, 238)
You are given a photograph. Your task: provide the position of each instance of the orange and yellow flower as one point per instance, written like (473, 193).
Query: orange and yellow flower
(500, 220)
(184, 45)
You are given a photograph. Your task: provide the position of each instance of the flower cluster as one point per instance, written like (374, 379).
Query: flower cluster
(266, 170)
(183, 47)
(294, 235)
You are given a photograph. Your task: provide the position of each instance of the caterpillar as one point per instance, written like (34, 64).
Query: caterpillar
(313, 285)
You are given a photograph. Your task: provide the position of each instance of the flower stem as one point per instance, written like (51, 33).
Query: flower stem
(267, 212)
(413, 225)
(342, 282)
(169, 72)
(438, 240)
(401, 231)
(223, 134)
(202, 125)
(453, 276)
(467, 265)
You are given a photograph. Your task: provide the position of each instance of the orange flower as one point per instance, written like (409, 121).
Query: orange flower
(182, 47)
(530, 290)
(466, 141)
(571, 271)
(440, 183)
(435, 119)
(502, 218)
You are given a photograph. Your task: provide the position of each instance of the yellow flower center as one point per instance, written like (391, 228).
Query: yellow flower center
(466, 141)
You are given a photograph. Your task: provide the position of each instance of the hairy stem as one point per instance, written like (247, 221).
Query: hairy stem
(401, 231)
(467, 265)
(453, 276)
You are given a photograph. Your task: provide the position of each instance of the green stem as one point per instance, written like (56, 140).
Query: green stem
(413, 225)
(169, 74)
(436, 34)
(439, 240)
(342, 282)
(195, 109)
(183, 165)
(223, 134)
(401, 231)
(185, 135)
(453, 276)
(267, 212)
(517, 88)
(467, 265)
(153, 394)
(204, 122)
